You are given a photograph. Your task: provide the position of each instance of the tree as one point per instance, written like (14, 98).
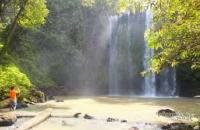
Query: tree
(19, 12)
(16, 14)
(175, 33)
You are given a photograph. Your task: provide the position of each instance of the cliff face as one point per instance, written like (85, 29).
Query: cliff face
(188, 81)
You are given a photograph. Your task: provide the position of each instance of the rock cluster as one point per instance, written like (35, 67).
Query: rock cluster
(8, 119)
(177, 126)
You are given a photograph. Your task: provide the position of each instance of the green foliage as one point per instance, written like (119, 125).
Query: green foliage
(130, 5)
(34, 14)
(26, 14)
(175, 33)
(87, 3)
(10, 75)
(115, 6)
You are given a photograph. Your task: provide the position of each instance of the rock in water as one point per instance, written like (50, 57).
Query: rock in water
(59, 100)
(8, 119)
(166, 112)
(197, 96)
(133, 128)
(76, 115)
(110, 119)
(177, 126)
(124, 121)
(21, 105)
(86, 116)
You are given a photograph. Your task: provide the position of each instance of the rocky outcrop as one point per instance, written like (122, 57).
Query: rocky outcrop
(166, 112)
(86, 116)
(37, 96)
(8, 119)
(177, 126)
(5, 103)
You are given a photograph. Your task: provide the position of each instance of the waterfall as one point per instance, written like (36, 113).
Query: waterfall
(120, 55)
(125, 48)
(163, 84)
(167, 82)
(113, 67)
(125, 52)
(149, 80)
(130, 59)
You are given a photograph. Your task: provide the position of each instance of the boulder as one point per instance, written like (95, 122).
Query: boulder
(196, 124)
(197, 96)
(5, 103)
(37, 96)
(86, 116)
(177, 126)
(8, 119)
(110, 119)
(166, 112)
(133, 128)
(124, 121)
(76, 115)
(59, 100)
(197, 127)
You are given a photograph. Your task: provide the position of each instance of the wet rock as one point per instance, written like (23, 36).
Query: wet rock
(197, 127)
(133, 128)
(110, 119)
(37, 96)
(59, 100)
(166, 112)
(165, 127)
(124, 121)
(147, 123)
(76, 115)
(8, 119)
(197, 96)
(5, 103)
(177, 126)
(86, 116)
(22, 105)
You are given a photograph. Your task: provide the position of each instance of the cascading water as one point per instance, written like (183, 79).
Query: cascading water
(167, 82)
(127, 46)
(163, 84)
(113, 74)
(125, 50)
(149, 80)
(130, 60)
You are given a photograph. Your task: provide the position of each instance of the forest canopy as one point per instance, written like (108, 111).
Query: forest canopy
(175, 33)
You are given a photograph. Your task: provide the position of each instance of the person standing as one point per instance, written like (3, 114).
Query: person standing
(13, 98)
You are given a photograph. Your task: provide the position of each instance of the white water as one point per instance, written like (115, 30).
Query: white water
(149, 80)
(113, 74)
(166, 79)
(121, 71)
(125, 34)
(168, 85)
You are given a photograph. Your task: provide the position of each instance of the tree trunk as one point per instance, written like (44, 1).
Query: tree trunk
(12, 29)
